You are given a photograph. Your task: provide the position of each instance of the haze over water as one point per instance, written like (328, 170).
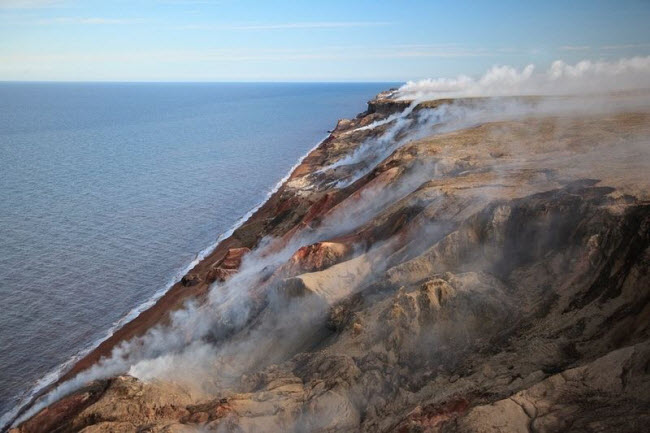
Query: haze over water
(108, 190)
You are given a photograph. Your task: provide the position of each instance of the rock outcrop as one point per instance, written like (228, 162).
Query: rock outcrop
(493, 277)
(223, 268)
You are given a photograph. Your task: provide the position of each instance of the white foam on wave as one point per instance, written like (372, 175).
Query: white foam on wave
(9, 418)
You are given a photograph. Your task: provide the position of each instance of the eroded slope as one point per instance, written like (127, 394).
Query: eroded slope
(490, 276)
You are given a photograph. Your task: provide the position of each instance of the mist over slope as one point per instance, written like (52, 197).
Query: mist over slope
(475, 264)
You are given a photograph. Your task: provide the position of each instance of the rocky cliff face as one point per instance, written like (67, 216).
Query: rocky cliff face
(447, 267)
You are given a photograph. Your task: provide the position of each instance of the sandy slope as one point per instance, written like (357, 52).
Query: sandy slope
(492, 278)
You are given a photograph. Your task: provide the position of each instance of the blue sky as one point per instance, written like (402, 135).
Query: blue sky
(237, 40)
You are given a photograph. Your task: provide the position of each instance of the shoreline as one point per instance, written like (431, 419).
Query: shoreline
(439, 254)
(174, 297)
(155, 310)
(245, 233)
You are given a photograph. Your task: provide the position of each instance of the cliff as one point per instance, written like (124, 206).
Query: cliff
(452, 266)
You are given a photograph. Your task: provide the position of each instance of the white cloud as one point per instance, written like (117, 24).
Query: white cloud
(331, 53)
(90, 20)
(575, 47)
(192, 2)
(28, 4)
(286, 26)
(624, 46)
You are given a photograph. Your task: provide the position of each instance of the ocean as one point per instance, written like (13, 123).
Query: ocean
(108, 191)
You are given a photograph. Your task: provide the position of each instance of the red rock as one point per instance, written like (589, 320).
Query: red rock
(57, 414)
(314, 257)
(190, 280)
(431, 417)
(228, 265)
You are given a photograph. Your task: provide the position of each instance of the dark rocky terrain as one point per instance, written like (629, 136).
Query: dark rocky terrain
(460, 267)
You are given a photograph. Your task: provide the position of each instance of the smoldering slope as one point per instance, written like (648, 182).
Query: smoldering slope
(190, 351)
(411, 125)
(207, 347)
(587, 78)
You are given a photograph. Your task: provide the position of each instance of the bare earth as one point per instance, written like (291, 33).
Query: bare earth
(493, 278)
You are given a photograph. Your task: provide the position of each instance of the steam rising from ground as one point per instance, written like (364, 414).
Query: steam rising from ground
(208, 347)
(560, 78)
(409, 125)
(193, 351)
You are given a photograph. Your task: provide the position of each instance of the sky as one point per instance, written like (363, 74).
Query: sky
(282, 40)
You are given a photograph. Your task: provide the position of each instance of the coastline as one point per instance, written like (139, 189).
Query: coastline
(250, 228)
(178, 293)
(243, 234)
(412, 245)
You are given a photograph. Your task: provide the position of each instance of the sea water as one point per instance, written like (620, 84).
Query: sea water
(108, 191)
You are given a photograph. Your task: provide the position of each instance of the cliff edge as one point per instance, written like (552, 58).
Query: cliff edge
(474, 265)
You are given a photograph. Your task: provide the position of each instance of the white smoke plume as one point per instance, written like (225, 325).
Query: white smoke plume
(204, 348)
(411, 125)
(560, 78)
(185, 351)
